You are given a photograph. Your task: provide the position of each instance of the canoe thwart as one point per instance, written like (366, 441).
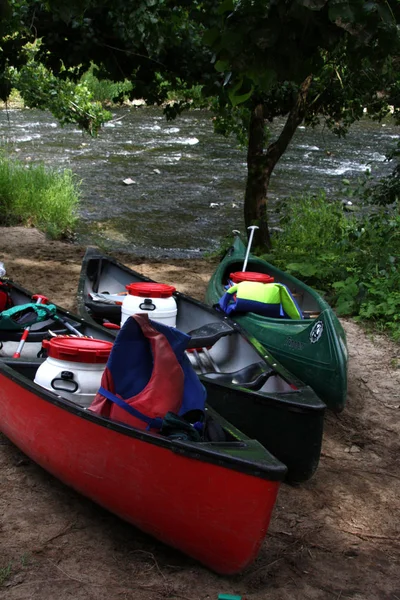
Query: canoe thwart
(207, 335)
(252, 376)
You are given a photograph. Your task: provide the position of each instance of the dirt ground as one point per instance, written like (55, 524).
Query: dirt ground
(336, 536)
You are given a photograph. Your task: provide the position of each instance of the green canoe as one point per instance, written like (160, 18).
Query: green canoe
(313, 348)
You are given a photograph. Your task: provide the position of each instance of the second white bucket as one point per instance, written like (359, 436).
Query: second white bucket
(155, 299)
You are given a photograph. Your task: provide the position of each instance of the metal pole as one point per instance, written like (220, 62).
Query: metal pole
(246, 258)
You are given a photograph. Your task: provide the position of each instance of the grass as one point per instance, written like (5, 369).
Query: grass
(5, 573)
(34, 195)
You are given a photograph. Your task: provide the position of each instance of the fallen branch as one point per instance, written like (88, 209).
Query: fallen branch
(64, 531)
(375, 536)
(354, 471)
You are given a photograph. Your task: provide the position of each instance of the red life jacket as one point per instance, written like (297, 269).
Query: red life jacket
(143, 370)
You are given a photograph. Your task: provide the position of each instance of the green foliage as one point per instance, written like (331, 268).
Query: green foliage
(308, 223)
(353, 258)
(34, 195)
(69, 102)
(232, 121)
(105, 90)
(269, 42)
(304, 60)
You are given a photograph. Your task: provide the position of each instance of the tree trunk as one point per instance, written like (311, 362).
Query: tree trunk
(260, 163)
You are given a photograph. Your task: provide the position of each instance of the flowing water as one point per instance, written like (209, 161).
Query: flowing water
(188, 182)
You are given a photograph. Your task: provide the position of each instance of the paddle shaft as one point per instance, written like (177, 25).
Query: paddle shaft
(17, 353)
(246, 258)
(69, 326)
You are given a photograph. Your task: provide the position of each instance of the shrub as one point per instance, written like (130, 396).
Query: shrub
(352, 258)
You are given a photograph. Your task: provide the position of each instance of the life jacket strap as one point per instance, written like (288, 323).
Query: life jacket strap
(152, 423)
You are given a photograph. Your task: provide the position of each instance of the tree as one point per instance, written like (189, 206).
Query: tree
(305, 60)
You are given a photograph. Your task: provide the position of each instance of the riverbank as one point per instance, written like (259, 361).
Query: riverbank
(53, 267)
(336, 536)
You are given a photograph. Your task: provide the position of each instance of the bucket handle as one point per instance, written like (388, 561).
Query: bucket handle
(67, 377)
(147, 305)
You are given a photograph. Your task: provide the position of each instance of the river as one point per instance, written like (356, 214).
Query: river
(188, 182)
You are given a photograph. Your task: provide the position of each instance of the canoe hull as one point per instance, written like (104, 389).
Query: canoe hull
(216, 515)
(291, 432)
(314, 349)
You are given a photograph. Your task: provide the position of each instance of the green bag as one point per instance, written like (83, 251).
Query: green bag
(25, 315)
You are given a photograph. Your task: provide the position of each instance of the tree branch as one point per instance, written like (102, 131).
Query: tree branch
(295, 118)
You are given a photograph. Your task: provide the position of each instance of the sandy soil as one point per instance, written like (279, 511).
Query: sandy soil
(336, 536)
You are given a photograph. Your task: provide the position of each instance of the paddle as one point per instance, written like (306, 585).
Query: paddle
(68, 326)
(246, 258)
(39, 300)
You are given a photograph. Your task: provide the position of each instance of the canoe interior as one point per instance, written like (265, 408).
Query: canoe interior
(306, 301)
(9, 340)
(244, 382)
(232, 354)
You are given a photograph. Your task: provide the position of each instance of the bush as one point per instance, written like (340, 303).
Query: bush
(313, 242)
(352, 258)
(33, 195)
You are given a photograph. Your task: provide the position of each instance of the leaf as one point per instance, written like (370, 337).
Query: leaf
(226, 6)
(227, 78)
(341, 12)
(239, 98)
(307, 269)
(210, 36)
(312, 4)
(386, 14)
(265, 79)
(345, 308)
(221, 66)
(369, 7)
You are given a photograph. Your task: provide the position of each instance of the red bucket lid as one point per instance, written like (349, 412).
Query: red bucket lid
(78, 349)
(150, 290)
(250, 276)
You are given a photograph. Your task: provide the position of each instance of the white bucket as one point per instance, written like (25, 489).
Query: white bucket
(74, 367)
(155, 299)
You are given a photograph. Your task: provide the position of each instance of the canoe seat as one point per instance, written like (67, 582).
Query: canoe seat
(252, 376)
(208, 334)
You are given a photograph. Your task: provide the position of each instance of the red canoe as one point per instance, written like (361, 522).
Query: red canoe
(211, 500)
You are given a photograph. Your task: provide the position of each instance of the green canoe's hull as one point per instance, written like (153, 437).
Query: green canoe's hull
(314, 348)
